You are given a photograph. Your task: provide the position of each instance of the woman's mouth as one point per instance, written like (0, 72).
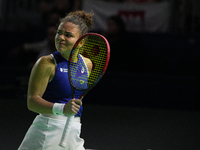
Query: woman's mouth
(62, 44)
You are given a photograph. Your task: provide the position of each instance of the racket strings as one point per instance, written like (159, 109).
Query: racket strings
(95, 49)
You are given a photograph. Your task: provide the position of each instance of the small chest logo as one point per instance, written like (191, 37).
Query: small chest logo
(63, 70)
(82, 70)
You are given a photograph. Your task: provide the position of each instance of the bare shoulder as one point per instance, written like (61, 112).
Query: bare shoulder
(87, 60)
(45, 60)
(44, 65)
(88, 63)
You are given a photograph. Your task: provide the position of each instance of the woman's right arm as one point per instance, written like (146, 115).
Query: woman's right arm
(42, 72)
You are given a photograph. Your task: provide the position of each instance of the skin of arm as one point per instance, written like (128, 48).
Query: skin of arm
(43, 71)
(39, 78)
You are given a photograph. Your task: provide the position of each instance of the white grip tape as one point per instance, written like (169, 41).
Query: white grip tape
(63, 141)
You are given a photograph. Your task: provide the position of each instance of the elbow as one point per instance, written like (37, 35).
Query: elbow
(30, 104)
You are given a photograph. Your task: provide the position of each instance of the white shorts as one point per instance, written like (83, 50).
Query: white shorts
(46, 131)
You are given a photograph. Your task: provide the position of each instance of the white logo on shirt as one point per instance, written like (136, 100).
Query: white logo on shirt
(63, 70)
(82, 70)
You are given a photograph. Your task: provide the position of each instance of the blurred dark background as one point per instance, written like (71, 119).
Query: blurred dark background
(149, 96)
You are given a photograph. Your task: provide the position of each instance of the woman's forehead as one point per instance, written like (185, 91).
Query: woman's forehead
(68, 26)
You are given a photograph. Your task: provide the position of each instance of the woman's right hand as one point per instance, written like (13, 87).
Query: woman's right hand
(72, 107)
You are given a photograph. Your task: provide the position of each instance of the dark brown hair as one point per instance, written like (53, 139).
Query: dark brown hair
(81, 18)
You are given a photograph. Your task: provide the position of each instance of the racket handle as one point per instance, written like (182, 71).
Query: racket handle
(63, 141)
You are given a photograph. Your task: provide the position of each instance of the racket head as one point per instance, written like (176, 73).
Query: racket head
(92, 49)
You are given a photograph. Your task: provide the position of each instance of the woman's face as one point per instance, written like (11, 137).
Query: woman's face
(66, 36)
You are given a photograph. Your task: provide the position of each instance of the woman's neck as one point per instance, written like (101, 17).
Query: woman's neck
(65, 55)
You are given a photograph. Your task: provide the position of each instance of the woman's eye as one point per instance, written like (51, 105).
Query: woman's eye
(59, 32)
(68, 35)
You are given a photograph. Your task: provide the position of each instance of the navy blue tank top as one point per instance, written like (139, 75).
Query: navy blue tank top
(58, 89)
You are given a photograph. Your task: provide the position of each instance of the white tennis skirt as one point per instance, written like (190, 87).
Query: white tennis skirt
(46, 131)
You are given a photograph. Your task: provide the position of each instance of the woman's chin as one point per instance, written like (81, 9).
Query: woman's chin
(64, 51)
(61, 50)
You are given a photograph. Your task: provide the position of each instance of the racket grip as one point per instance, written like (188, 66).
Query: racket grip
(63, 141)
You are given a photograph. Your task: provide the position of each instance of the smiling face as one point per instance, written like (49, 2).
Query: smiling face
(66, 36)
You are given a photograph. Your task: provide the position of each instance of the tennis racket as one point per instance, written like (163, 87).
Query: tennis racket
(87, 64)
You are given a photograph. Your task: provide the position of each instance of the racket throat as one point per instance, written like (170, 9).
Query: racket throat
(73, 93)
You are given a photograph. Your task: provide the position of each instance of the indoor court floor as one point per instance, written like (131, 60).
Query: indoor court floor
(113, 127)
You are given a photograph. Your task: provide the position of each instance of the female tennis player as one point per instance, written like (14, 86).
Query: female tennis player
(49, 91)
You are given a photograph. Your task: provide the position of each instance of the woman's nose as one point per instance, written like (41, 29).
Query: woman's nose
(62, 37)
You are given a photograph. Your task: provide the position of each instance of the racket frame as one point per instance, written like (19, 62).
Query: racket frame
(85, 91)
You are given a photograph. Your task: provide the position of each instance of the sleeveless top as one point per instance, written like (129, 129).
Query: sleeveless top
(59, 89)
